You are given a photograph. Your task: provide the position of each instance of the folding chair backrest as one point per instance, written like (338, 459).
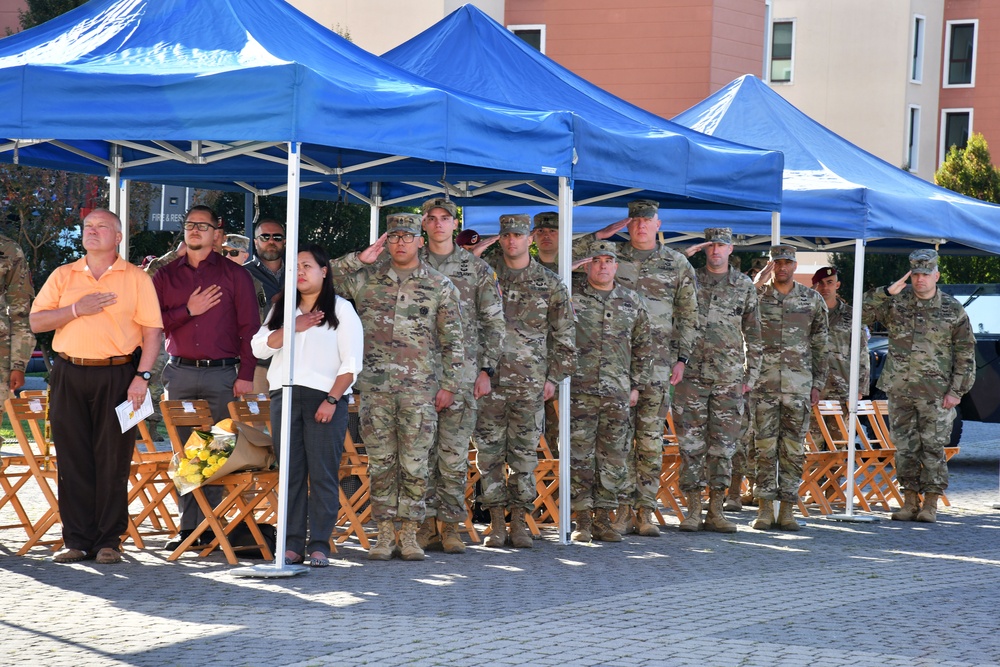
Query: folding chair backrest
(194, 414)
(33, 412)
(253, 411)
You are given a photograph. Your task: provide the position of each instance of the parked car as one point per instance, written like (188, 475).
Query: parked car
(37, 362)
(982, 403)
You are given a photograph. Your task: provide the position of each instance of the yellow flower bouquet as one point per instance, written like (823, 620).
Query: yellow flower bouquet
(204, 454)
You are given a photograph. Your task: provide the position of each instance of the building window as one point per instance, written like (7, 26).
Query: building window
(956, 125)
(782, 34)
(913, 140)
(960, 53)
(917, 51)
(533, 35)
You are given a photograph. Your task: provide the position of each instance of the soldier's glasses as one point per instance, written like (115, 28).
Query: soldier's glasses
(405, 238)
(231, 253)
(200, 226)
(277, 238)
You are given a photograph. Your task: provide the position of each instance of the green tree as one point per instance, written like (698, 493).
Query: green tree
(40, 11)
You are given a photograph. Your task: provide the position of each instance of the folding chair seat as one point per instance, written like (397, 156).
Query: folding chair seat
(151, 487)
(246, 494)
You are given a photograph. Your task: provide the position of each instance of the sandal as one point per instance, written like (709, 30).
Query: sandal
(292, 558)
(318, 559)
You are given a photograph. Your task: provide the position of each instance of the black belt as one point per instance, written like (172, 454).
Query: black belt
(204, 363)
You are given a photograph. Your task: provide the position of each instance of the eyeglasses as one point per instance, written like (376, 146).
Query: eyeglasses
(200, 226)
(405, 238)
(277, 238)
(231, 253)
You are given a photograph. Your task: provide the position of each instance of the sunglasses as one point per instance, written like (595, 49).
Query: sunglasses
(277, 238)
(231, 253)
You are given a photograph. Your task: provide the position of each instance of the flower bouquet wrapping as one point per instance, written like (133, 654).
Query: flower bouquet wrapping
(229, 447)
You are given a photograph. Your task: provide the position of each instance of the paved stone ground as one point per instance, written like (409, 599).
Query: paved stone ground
(834, 594)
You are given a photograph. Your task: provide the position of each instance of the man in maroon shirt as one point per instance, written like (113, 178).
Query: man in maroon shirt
(210, 313)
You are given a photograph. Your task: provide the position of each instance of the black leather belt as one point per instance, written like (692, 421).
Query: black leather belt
(204, 363)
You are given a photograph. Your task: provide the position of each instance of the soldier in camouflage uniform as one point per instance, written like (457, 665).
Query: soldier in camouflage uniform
(614, 362)
(724, 366)
(545, 233)
(793, 328)
(484, 329)
(838, 377)
(931, 365)
(413, 369)
(665, 279)
(539, 351)
(16, 339)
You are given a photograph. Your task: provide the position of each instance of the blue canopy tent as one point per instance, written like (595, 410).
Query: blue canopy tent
(249, 94)
(834, 191)
(617, 143)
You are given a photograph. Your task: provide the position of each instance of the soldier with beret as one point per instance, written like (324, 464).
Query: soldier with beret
(793, 328)
(539, 351)
(615, 359)
(414, 366)
(931, 365)
(724, 366)
(666, 281)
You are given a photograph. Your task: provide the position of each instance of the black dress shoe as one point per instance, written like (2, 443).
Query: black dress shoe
(176, 541)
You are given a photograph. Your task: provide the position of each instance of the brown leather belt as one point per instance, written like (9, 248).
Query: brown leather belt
(111, 361)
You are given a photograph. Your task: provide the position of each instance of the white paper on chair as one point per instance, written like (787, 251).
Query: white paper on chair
(129, 416)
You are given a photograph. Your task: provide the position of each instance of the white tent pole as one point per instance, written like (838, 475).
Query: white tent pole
(852, 395)
(375, 207)
(775, 227)
(123, 215)
(565, 272)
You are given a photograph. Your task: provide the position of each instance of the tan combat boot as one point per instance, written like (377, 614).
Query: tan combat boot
(765, 514)
(928, 513)
(519, 535)
(645, 525)
(450, 541)
(623, 523)
(732, 502)
(584, 520)
(409, 549)
(692, 522)
(785, 519)
(385, 545)
(498, 529)
(428, 537)
(910, 508)
(603, 531)
(715, 522)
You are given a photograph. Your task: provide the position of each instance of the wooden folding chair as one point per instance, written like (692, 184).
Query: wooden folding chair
(14, 474)
(670, 495)
(355, 509)
(245, 493)
(150, 485)
(253, 410)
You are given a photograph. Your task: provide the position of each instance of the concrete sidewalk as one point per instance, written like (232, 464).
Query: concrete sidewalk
(833, 594)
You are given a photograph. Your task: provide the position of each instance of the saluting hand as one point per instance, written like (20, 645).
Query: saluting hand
(371, 253)
(693, 250)
(95, 303)
(202, 301)
(612, 229)
(898, 286)
(484, 243)
(765, 274)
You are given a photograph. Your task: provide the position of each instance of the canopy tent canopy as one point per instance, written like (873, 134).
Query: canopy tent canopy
(208, 93)
(834, 191)
(617, 143)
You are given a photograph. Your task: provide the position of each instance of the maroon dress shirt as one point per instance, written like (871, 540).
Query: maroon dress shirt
(223, 331)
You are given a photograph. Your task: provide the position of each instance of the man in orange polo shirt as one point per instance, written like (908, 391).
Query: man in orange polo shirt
(102, 309)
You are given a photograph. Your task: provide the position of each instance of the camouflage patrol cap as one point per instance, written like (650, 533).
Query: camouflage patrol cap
(237, 242)
(603, 248)
(547, 220)
(719, 235)
(824, 273)
(440, 202)
(403, 222)
(782, 252)
(643, 208)
(517, 223)
(923, 261)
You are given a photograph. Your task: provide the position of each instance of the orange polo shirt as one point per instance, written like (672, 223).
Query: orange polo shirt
(116, 330)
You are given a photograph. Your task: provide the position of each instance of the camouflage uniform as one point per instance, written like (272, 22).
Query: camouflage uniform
(931, 353)
(666, 281)
(838, 379)
(614, 356)
(413, 348)
(16, 294)
(539, 346)
(793, 328)
(709, 404)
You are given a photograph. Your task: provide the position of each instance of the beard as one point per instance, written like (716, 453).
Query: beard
(270, 255)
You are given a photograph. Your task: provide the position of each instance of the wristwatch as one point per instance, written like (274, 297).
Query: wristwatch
(145, 375)
(489, 370)
(682, 360)
(331, 400)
